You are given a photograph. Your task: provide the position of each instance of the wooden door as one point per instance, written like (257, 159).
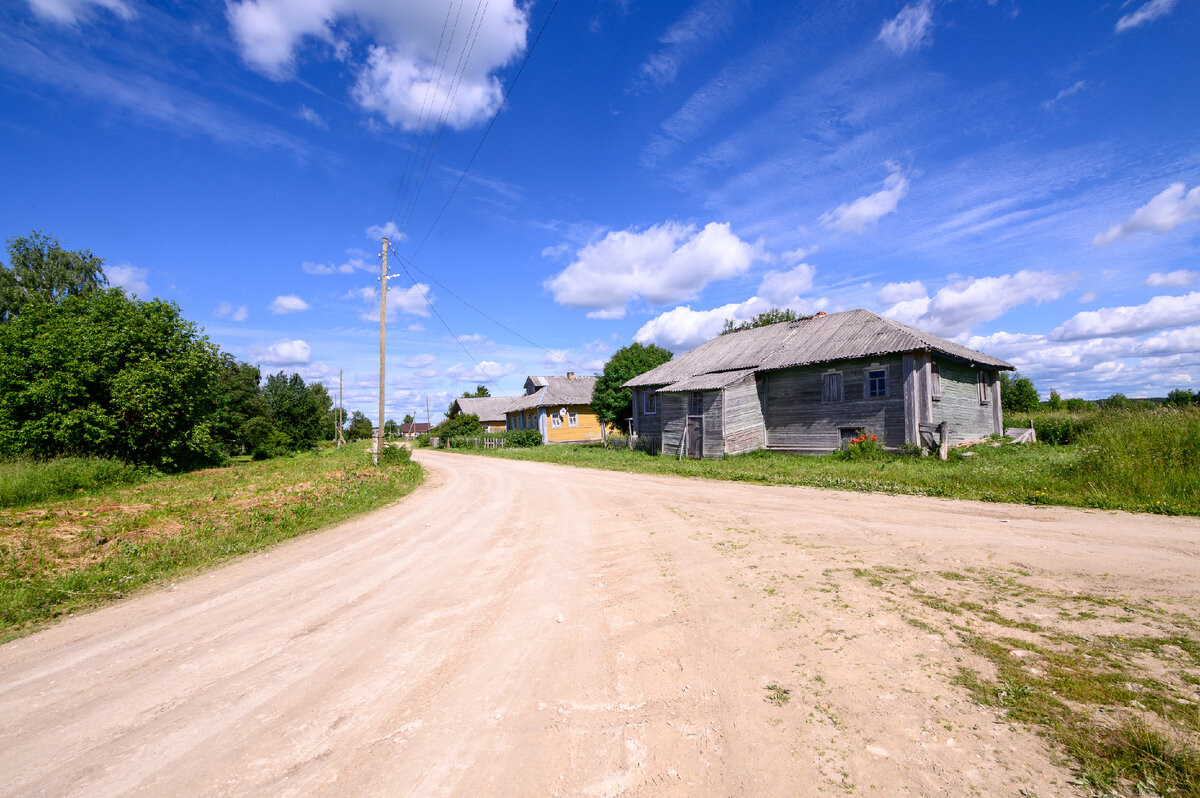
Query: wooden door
(695, 437)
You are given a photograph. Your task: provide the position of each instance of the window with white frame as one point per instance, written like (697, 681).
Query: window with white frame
(935, 382)
(984, 389)
(876, 385)
(572, 419)
(555, 421)
(649, 403)
(831, 387)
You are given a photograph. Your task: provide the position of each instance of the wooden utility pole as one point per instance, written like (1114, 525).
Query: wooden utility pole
(383, 278)
(341, 413)
(426, 409)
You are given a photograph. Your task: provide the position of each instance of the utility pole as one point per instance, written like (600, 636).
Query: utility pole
(426, 409)
(383, 278)
(341, 413)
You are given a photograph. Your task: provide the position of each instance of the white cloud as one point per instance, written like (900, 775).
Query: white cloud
(414, 327)
(663, 264)
(389, 231)
(312, 117)
(857, 216)
(1176, 279)
(1074, 88)
(1169, 209)
(349, 267)
(471, 338)
(682, 328)
(707, 20)
(1146, 14)
(484, 371)
(956, 308)
(284, 352)
(68, 12)
(418, 361)
(555, 357)
(556, 251)
(1161, 312)
(893, 293)
(288, 303)
(414, 74)
(911, 29)
(227, 310)
(1090, 296)
(784, 288)
(409, 300)
(129, 277)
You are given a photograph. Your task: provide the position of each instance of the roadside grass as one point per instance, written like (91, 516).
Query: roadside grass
(1078, 475)
(24, 482)
(72, 554)
(1111, 682)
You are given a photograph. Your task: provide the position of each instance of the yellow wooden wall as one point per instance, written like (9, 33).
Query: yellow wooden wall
(588, 429)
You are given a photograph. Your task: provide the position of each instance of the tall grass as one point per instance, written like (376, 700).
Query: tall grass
(24, 482)
(1139, 454)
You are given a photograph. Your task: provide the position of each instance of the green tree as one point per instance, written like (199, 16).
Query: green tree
(455, 426)
(612, 403)
(238, 401)
(1181, 397)
(295, 409)
(1075, 404)
(39, 268)
(1017, 394)
(360, 427)
(105, 375)
(1117, 401)
(480, 392)
(408, 418)
(391, 428)
(1055, 402)
(772, 316)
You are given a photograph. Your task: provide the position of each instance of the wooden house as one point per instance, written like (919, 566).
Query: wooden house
(558, 407)
(812, 385)
(492, 410)
(413, 429)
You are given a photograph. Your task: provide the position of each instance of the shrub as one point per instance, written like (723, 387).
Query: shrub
(395, 456)
(422, 440)
(1056, 429)
(616, 442)
(523, 437)
(865, 447)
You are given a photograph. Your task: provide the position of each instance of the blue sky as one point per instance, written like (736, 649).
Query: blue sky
(1020, 177)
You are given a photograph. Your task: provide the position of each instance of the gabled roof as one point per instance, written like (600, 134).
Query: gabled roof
(488, 408)
(414, 427)
(818, 339)
(555, 391)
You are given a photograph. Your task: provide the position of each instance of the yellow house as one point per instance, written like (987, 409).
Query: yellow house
(558, 407)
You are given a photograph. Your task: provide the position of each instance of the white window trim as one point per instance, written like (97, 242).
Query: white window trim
(648, 395)
(867, 382)
(572, 418)
(555, 421)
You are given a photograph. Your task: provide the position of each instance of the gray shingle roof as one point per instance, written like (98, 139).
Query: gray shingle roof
(488, 408)
(555, 392)
(820, 339)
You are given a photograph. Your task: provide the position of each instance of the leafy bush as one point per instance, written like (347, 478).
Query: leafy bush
(28, 481)
(865, 447)
(395, 456)
(1056, 429)
(523, 437)
(422, 440)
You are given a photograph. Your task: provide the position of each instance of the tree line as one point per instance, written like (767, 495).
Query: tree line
(87, 370)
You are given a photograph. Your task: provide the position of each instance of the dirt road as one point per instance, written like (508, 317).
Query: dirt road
(519, 629)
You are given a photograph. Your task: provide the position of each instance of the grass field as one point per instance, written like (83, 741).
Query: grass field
(108, 541)
(1141, 461)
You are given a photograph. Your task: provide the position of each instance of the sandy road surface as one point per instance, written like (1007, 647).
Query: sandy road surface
(524, 629)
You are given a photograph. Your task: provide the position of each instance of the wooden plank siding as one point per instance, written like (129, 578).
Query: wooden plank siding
(796, 418)
(643, 423)
(713, 404)
(588, 428)
(672, 415)
(743, 420)
(968, 419)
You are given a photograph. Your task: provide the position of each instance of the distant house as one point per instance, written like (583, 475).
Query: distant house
(558, 407)
(811, 385)
(490, 409)
(413, 429)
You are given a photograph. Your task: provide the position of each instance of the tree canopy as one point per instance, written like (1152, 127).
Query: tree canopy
(360, 427)
(39, 268)
(772, 316)
(612, 403)
(1017, 394)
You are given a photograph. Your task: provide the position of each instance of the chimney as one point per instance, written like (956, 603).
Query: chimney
(570, 375)
(819, 314)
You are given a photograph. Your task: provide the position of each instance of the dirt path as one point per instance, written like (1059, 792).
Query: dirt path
(524, 629)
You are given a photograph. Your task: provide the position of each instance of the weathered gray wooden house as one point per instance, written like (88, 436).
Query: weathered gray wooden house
(811, 385)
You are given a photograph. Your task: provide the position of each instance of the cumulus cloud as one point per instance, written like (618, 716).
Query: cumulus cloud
(911, 29)
(1161, 312)
(420, 65)
(409, 300)
(483, 371)
(957, 307)
(785, 288)
(419, 361)
(1171, 208)
(663, 264)
(857, 216)
(1176, 279)
(288, 303)
(1146, 14)
(682, 328)
(226, 310)
(284, 352)
(69, 12)
(129, 277)
(893, 293)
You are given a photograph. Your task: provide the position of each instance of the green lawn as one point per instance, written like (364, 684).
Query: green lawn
(101, 544)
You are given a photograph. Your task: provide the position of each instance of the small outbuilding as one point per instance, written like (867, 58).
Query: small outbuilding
(812, 385)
